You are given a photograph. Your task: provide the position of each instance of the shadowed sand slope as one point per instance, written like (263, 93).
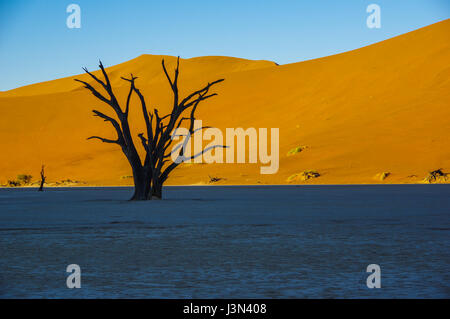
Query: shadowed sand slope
(379, 114)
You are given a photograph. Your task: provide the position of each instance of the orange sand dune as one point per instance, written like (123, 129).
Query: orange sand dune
(381, 108)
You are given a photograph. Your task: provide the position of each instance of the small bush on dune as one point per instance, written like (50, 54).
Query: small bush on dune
(213, 179)
(292, 178)
(382, 176)
(303, 176)
(13, 184)
(24, 179)
(296, 150)
(309, 174)
(437, 176)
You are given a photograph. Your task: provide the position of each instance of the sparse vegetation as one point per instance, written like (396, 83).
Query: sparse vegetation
(67, 182)
(303, 176)
(13, 183)
(214, 179)
(296, 150)
(24, 179)
(309, 174)
(292, 178)
(437, 176)
(21, 180)
(382, 176)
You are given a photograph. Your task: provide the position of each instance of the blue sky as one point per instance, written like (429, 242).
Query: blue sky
(36, 45)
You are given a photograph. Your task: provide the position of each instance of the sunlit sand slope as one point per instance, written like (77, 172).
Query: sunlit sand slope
(379, 114)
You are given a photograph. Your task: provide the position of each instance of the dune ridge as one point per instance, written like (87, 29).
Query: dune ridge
(381, 110)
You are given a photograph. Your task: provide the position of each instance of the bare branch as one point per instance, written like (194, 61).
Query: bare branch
(131, 80)
(116, 125)
(167, 74)
(147, 119)
(165, 116)
(104, 140)
(177, 72)
(206, 88)
(96, 79)
(204, 151)
(107, 86)
(172, 166)
(94, 92)
(108, 83)
(144, 141)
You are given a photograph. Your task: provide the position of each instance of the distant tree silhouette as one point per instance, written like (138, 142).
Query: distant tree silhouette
(41, 187)
(150, 174)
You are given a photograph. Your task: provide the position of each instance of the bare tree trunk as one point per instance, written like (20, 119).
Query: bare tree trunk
(141, 185)
(157, 189)
(41, 187)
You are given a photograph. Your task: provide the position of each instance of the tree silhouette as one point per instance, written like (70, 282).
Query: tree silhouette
(41, 187)
(150, 173)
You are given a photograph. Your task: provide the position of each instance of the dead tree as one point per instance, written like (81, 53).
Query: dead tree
(41, 187)
(151, 172)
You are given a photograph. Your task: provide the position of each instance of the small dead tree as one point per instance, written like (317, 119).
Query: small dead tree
(150, 173)
(41, 187)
